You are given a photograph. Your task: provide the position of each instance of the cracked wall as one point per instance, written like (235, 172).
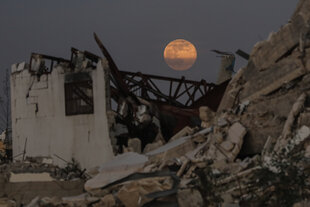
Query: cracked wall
(39, 121)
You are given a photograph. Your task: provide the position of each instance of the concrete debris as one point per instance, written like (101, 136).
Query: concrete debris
(227, 66)
(182, 133)
(23, 181)
(134, 193)
(34, 202)
(118, 168)
(106, 201)
(134, 145)
(152, 146)
(190, 198)
(260, 130)
(5, 202)
(296, 108)
(206, 116)
(30, 177)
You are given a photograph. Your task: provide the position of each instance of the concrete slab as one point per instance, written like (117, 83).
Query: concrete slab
(118, 168)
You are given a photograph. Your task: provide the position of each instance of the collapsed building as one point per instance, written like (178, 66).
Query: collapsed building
(254, 151)
(63, 108)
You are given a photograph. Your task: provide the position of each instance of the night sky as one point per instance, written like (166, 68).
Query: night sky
(136, 31)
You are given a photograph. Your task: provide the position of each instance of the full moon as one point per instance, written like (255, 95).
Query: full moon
(180, 54)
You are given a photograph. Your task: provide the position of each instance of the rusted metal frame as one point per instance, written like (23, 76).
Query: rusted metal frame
(91, 56)
(178, 87)
(114, 93)
(114, 70)
(156, 93)
(146, 82)
(187, 102)
(131, 84)
(170, 88)
(133, 87)
(163, 78)
(143, 81)
(142, 85)
(181, 94)
(126, 80)
(154, 85)
(205, 88)
(144, 93)
(113, 80)
(201, 92)
(194, 92)
(182, 79)
(190, 97)
(127, 77)
(42, 56)
(143, 90)
(209, 87)
(51, 57)
(136, 89)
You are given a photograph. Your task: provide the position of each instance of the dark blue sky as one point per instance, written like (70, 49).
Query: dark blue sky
(137, 31)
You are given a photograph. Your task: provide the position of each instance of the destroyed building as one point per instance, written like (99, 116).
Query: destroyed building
(254, 151)
(63, 108)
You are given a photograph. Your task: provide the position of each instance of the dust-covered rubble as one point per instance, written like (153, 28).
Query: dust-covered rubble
(254, 151)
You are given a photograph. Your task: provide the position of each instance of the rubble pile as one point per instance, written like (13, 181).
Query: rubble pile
(36, 165)
(21, 181)
(255, 151)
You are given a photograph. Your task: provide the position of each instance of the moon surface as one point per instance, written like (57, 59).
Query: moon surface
(180, 54)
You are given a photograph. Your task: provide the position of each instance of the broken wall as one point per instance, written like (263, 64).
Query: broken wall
(41, 126)
(24, 192)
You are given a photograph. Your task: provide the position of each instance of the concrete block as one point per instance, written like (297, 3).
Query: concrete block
(21, 66)
(118, 168)
(135, 145)
(206, 116)
(182, 133)
(190, 198)
(304, 119)
(227, 145)
(173, 149)
(30, 177)
(152, 146)
(236, 133)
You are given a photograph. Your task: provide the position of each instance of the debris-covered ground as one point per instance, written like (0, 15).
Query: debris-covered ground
(255, 151)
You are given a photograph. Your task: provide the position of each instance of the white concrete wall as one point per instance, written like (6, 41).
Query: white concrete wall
(49, 131)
